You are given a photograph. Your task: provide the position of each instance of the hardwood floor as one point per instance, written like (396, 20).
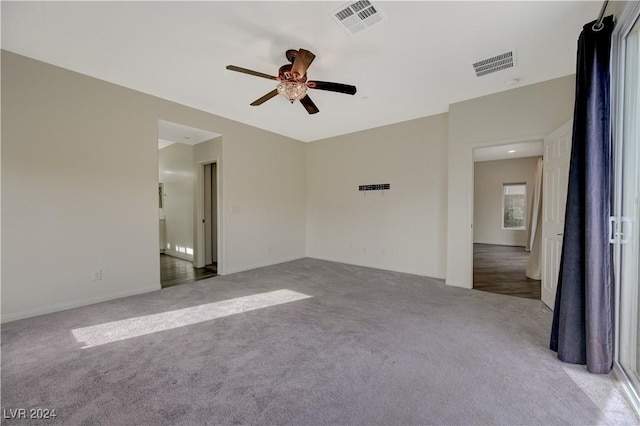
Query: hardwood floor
(501, 269)
(496, 269)
(174, 271)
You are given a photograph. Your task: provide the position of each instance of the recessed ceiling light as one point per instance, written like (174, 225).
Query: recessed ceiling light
(364, 98)
(511, 151)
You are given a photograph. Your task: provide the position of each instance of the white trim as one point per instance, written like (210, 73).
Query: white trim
(500, 243)
(198, 258)
(468, 148)
(182, 256)
(508, 141)
(74, 304)
(520, 228)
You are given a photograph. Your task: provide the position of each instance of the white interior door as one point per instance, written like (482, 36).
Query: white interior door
(555, 181)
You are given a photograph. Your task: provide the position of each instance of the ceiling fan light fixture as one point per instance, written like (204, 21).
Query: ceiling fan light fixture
(292, 90)
(293, 83)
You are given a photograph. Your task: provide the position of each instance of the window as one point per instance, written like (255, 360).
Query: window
(514, 205)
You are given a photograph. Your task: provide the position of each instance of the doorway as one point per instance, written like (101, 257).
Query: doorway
(210, 216)
(505, 184)
(175, 271)
(181, 150)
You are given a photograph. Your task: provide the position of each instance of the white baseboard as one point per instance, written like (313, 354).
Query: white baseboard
(500, 243)
(468, 286)
(386, 268)
(262, 264)
(73, 304)
(179, 255)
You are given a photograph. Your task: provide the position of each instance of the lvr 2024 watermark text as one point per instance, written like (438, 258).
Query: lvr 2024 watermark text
(29, 413)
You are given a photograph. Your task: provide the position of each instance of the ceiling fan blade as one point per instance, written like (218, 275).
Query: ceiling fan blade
(265, 98)
(308, 104)
(251, 72)
(332, 87)
(302, 62)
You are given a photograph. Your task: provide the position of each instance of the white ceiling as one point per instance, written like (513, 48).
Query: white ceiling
(508, 151)
(170, 133)
(413, 64)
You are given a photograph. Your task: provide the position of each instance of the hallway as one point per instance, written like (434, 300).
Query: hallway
(174, 271)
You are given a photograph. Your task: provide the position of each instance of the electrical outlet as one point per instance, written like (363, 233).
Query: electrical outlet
(97, 275)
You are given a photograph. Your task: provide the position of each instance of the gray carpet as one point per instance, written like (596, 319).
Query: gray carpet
(368, 347)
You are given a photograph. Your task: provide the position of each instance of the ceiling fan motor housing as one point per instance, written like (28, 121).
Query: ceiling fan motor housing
(285, 74)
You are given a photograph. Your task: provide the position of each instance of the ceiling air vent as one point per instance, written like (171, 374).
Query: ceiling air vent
(495, 63)
(357, 16)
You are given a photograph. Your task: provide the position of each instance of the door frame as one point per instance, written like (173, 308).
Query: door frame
(199, 231)
(471, 192)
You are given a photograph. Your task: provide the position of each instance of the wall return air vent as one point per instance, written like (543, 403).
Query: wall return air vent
(357, 16)
(495, 63)
(375, 187)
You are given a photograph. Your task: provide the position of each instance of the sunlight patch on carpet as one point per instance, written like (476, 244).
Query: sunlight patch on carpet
(605, 392)
(115, 331)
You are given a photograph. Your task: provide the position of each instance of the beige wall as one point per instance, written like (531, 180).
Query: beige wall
(80, 172)
(402, 229)
(79, 189)
(523, 114)
(265, 204)
(616, 8)
(176, 173)
(489, 178)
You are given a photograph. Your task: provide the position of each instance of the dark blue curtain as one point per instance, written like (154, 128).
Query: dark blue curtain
(583, 327)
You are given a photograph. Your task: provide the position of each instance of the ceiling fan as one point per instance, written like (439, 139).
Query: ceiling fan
(293, 81)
